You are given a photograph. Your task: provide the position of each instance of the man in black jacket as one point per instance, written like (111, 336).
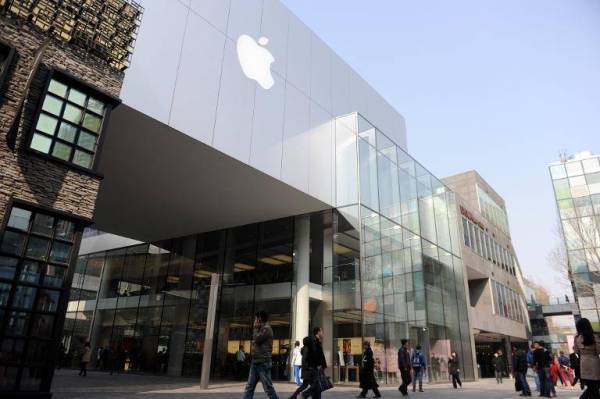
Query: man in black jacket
(574, 360)
(541, 362)
(520, 370)
(315, 362)
(404, 367)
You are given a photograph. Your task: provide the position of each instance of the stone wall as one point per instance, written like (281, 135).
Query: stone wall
(24, 175)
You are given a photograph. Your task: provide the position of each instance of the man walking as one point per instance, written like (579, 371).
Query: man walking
(418, 366)
(315, 363)
(404, 367)
(499, 366)
(260, 367)
(541, 361)
(520, 367)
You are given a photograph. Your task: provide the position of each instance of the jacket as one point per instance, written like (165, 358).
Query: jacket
(315, 356)
(453, 366)
(589, 360)
(574, 360)
(418, 360)
(498, 363)
(403, 359)
(520, 362)
(541, 358)
(262, 344)
(87, 354)
(367, 370)
(296, 357)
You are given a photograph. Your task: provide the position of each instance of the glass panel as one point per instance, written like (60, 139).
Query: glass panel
(52, 105)
(30, 271)
(574, 168)
(57, 88)
(7, 267)
(37, 248)
(42, 326)
(368, 175)
(346, 165)
(591, 165)
(65, 230)
(67, 132)
(24, 297)
(43, 224)
(96, 106)
(82, 159)
(9, 378)
(87, 141)
(4, 293)
(19, 219)
(558, 172)
(12, 243)
(41, 143)
(55, 276)
(31, 378)
(92, 122)
(12, 350)
(562, 189)
(366, 131)
(77, 97)
(47, 124)
(61, 252)
(62, 151)
(73, 114)
(48, 300)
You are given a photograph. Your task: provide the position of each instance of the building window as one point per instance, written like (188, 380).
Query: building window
(70, 122)
(35, 251)
(6, 56)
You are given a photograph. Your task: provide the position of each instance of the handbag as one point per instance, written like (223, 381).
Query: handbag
(323, 381)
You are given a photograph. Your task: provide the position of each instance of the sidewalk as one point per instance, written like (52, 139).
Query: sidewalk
(99, 385)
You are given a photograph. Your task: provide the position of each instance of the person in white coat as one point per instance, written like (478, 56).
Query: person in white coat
(297, 363)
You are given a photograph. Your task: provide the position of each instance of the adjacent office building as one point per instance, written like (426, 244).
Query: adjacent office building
(497, 304)
(247, 149)
(576, 181)
(61, 71)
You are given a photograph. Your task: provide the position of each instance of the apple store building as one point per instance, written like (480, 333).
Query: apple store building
(250, 168)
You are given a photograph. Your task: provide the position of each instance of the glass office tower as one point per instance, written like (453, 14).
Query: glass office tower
(576, 183)
(383, 265)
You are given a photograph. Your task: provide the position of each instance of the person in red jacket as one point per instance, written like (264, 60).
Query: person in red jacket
(554, 370)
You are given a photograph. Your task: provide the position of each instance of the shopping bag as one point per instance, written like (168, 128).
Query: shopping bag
(323, 381)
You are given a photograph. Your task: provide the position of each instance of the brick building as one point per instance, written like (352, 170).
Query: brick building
(60, 77)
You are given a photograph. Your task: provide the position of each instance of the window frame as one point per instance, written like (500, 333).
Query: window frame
(110, 102)
(29, 338)
(8, 62)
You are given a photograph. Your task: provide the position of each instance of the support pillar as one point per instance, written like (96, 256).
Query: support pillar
(210, 331)
(301, 298)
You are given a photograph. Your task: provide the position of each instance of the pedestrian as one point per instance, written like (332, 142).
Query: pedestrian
(587, 344)
(542, 359)
(454, 370)
(316, 364)
(86, 356)
(564, 369)
(531, 365)
(305, 372)
(574, 361)
(499, 365)
(62, 354)
(404, 367)
(99, 358)
(554, 369)
(419, 366)
(240, 360)
(367, 372)
(520, 367)
(297, 363)
(260, 367)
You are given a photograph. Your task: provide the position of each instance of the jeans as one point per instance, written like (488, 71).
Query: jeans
(260, 372)
(297, 375)
(522, 379)
(536, 379)
(546, 385)
(418, 376)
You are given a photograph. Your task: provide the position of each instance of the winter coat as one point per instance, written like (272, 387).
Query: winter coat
(403, 359)
(367, 370)
(589, 362)
(520, 362)
(297, 357)
(498, 363)
(262, 344)
(453, 366)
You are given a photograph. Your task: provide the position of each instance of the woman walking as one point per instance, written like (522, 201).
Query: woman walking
(587, 345)
(367, 372)
(454, 370)
(297, 363)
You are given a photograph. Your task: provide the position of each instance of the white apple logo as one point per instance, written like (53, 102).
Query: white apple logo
(256, 60)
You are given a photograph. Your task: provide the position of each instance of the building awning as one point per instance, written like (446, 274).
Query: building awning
(160, 183)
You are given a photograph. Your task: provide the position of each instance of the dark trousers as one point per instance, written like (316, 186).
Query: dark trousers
(593, 389)
(83, 369)
(522, 380)
(375, 390)
(546, 384)
(456, 380)
(406, 380)
(301, 388)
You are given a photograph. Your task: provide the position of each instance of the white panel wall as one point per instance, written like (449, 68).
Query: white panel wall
(185, 73)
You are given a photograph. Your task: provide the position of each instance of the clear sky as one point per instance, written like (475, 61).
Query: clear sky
(498, 86)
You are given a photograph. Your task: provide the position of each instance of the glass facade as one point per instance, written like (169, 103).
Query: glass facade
(386, 261)
(485, 245)
(576, 184)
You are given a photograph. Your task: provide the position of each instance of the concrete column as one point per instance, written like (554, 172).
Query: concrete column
(210, 331)
(300, 288)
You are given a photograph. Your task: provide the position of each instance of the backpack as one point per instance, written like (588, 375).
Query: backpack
(416, 360)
